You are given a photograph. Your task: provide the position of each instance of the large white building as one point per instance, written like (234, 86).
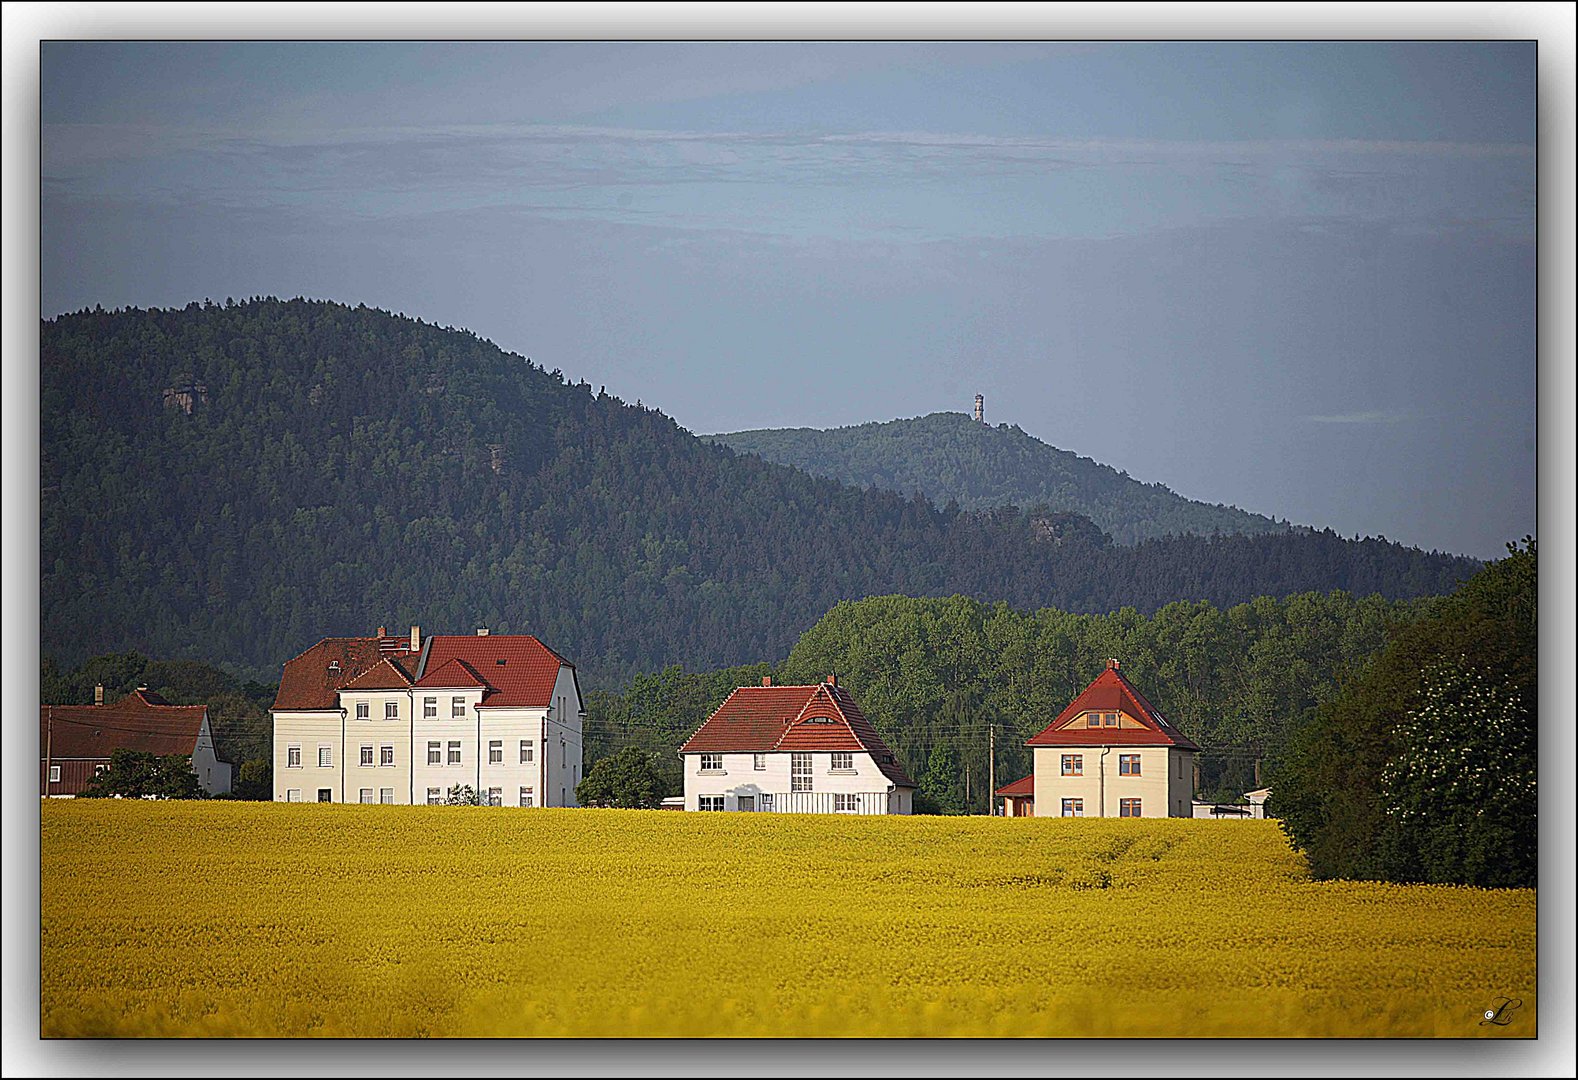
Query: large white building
(793, 749)
(405, 720)
(1110, 753)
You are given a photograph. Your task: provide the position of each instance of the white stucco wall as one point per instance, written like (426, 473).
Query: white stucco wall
(740, 776)
(214, 775)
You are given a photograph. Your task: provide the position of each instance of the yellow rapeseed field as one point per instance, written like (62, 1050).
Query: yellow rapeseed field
(283, 920)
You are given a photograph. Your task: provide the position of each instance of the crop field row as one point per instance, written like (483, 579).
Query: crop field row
(262, 919)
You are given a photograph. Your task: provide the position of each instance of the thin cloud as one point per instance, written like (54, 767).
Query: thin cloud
(1372, 416)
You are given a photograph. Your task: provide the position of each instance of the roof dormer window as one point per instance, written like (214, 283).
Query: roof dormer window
(334, 667)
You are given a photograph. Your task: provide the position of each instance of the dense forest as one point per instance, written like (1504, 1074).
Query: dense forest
(232, 482)
(948, 457)
(935, 674)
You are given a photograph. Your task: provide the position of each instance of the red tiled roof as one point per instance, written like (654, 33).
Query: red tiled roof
(308, 682)
(1111, 692)
(453, 675)
(1020, 788)
(96, 731)
(766, 719)
(524, 679)
(384, 675)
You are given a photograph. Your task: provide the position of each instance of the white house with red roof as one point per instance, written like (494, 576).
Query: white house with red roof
(1110, 753)
(793, 749)
(75, 742)
(391, 719)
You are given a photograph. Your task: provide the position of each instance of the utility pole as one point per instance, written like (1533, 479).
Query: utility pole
(991, 770)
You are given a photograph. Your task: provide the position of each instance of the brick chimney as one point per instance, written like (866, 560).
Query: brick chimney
(416, 639)
(1113, 663)
(383, 631)
(767, 680)
(832, 680)
(98, 694)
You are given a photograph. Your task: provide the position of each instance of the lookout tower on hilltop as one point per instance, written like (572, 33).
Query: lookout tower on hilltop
(980, 409)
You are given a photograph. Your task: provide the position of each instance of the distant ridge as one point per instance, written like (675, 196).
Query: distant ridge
(231, 483)
(950, 457)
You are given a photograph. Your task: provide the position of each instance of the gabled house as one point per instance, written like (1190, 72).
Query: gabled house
(75, 742)
(395, 719)
(1110, 753)
(1019, 798)
(793, 749)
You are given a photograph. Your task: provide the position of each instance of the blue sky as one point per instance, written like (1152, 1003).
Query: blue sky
(1294, 277)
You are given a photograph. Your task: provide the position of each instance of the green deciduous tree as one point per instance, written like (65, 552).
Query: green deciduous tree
(134, 774)
(629, 778)
(1348, 789)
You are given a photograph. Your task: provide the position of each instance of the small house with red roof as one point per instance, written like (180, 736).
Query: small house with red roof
(1110, 753)
(793, 749)
(395, 719)
(75, 742)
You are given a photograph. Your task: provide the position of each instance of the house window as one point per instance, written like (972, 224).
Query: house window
(99, 769)
(712, 763)
(293, 757)
(1128, 808)
(391, 710)
(367, 755)
(495, 796)
(457, 708)
(1073, 807)
(1128, 765)
(758, 762)
(844, 804)
(843, 761)
(1109, 719)
(746, 803)
(454, 753)
(767, 802)
(435, 755)
(363, 710)
(496, 752)
(709, 802)
(325, 794)
(1093, 719)
(1179, 760)
(54, 774)
(799, 772)
(366, 794)
(435, 796)
(1073, 764)
(526, 752)
(429, 708)
(293, 794)
(325, 758)
(526, 796)
(386, 755)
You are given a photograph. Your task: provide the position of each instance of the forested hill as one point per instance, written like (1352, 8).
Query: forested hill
(233, 482)
(948, 456)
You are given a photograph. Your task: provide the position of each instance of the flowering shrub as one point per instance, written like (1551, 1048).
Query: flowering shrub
(268, 919)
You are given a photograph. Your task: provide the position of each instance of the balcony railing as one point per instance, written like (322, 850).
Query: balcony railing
(822, 802)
